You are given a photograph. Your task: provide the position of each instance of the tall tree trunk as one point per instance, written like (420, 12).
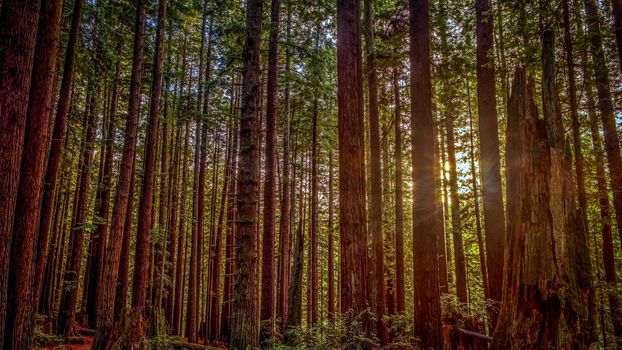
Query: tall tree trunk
(58, 134)
(449, 93)
(331, 243)
(107, 301)
(400, 295)
(284, 222)
(375, 209)
(18, 34)
(244, 317)
(605, 106)
(314, 217)
(267, 256)
(145, 206)
(100, 240)
(603, 201)
(352, 216)
(122, 287)
(494, 217)
(483, 266)
(22, 302)
(178, 294)
(66, 322)
(590, 331)
(426, 292)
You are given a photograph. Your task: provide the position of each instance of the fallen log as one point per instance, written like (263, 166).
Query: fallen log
(455, 338)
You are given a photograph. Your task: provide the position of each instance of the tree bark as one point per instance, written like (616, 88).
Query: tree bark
(22, 302)
(107, 297)
(400, 295)
(18, 34)
(352, 214)
(267, 256)
(284, 222)
(58, 134)
(145, 206)
(375, 209)
(427, 324)
(66, 322)
(494, 217)
(244, 316)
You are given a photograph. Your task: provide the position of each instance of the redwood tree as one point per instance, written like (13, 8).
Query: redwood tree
(375, 210)
(22, 304)
(494, 217)
(244, 317)
(267, 262)
(426, 291)
(18, 33)
(106, 302)
(352, 214)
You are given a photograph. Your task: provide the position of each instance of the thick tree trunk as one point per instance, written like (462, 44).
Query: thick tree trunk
(375, 209)
(400, 295)
(145, 206)
(18, 34)
(58, 134)
(244, 325)
(267, 256)
(494, 217)
(118, 234)
(541, 305)
(427, 325)
(22, 302)
(352, 214)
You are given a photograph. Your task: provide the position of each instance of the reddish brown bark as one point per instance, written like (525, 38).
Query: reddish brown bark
(400, 294)
(494, 217)
(22, 302)
(605, 106)
(18, 33)
(426, 293)
(314, 219)
(145, 207)
(603, 200)
(66, 322)
(375, 209)
(268, 242)
(353, 219)
(119, 233)
(244, 316)
(58, 134)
